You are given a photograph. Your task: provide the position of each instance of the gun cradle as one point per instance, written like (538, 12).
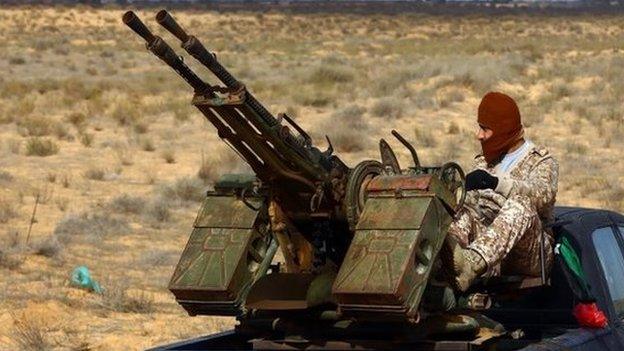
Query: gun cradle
(383, 275)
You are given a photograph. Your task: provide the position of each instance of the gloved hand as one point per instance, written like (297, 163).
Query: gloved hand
(480, 179)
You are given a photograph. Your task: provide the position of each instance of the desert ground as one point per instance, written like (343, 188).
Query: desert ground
(100, 134)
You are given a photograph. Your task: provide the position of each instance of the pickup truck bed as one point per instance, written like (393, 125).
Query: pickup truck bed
(536, 318)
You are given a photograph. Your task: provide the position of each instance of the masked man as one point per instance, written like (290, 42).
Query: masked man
(510, 198)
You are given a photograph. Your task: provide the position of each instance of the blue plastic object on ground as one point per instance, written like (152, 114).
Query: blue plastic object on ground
(81, 277)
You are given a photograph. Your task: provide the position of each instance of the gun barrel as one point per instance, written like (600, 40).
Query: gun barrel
(194, 47)
(134, 22)
(163, 51)
(164, 19)
(260, 117)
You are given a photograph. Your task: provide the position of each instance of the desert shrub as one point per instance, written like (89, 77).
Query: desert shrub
(95, 173)
(124, 155)
(86, 139)
(348, 140)
(330, 74)
(147, 144)
(125, 112)
(62, 203)
(127, 204)
(453, 128)
(425, 137)
(10, 259)
(117, 298)
(5, 176)
(41, 147)
(388, 107)
(158, 209)
(312, 97)
(17, 61)
(157, 257)
(140, 127)
(76, 118)
(446, 97)
(65, 180)
(531, 116)
(7, 210)
(389, 81)
(168, 155)
(61, 132)
(349, 137)
(35, 126)
(91, 226)
(576, 147)
(48, 247)
(20, 111)
(185, 189)
(182, 110)
(561, 90)
(14, 145)
(30, 335)
(351, 116)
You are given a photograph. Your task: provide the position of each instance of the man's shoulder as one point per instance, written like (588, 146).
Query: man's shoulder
(541, 152)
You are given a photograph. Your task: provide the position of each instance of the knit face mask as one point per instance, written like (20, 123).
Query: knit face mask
(499, 113)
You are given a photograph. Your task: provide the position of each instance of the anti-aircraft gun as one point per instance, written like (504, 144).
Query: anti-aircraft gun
(358, 243)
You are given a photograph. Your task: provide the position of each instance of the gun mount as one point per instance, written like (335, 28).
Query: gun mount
(359, 243)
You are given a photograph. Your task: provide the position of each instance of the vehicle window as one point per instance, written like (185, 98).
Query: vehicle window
(612, 264)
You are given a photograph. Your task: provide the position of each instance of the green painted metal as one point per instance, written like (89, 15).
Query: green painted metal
(213, 273)
(226, 212)
(390, 213)
(211, 258)
(387, 266)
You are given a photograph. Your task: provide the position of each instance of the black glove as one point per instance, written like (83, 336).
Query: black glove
(480, 179)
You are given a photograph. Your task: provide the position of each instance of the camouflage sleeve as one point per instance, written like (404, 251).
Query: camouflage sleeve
(540, 186)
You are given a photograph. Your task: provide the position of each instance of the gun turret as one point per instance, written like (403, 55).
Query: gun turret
(362, 240)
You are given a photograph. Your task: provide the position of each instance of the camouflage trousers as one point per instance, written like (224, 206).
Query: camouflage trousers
(505, 232)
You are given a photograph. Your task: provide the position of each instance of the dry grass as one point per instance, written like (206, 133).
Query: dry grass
(117, 297)
(95, 173)
(7, 210)
(90, 227)
(88, 93)
(30, 335)
(41, 147)
(388, 108)
(184, 189)
(169, 156)
(86, 139)
(49, 247)
(127, 204)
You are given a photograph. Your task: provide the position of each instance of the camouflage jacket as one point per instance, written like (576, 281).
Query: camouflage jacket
(535, 175)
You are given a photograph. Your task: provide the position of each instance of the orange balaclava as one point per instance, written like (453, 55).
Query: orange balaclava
(499, 113)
